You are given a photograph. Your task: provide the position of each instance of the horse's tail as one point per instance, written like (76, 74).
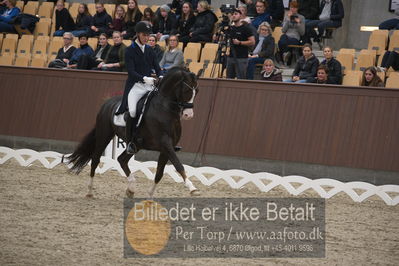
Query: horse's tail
(83, 153)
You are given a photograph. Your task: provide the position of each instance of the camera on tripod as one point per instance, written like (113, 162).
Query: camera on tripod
(226, 10)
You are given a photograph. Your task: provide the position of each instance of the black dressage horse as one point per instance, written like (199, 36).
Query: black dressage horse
(160, 130)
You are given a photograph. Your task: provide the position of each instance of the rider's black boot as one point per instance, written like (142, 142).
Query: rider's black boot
(131, 147)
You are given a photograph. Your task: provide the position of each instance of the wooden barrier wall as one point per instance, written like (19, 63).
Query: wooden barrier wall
(329, 125)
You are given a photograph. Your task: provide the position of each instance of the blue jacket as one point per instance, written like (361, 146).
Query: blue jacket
(79, 52)
(10, 14)
(261, 18)
(138, 65)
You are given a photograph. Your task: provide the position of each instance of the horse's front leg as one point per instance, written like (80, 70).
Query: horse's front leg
(162, 160)
(170, 152)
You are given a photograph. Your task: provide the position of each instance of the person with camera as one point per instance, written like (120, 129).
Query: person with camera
(241, 38)
(293, 28)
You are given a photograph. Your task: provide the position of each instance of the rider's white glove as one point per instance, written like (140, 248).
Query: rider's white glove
(149, 80)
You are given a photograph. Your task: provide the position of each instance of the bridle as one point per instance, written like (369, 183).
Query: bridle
(184, 105)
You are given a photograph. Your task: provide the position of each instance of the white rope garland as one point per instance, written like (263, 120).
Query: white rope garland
(264, 181)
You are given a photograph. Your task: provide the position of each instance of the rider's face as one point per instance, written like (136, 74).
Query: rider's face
(143, 37)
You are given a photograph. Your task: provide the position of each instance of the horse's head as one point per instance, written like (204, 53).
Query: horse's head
(181, 85)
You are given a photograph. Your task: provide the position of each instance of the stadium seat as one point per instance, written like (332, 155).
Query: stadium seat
(352, 78)
(216, 68)
(6, 60)
(9, 46)
(162, 44)
(346, 61)
(127, 42)
(42, 28)
(1, 39)
(92, 8)
(373, 53)
(24, 47)
(277, 34)
(394, 42)
(154, 8)
(12, 36)
(141, 8)
(46, 10)
(58, 39)
(54, 47)
(191, 54)
(195, 67)
(208, 55)
(378, 42)
(347, 51)
(40, 48)
(22, 61)
(38, 62)
(93, 43)
(31, 8)
(392, 82)
(211, 45)
(110, 9)
(73, 9)
(364, 61)
(20, 5)
(194, 44)
(28, 37)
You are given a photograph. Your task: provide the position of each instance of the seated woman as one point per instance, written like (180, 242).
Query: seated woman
(186, 21)
(173, 56)
(84, 49)
(333, 65)
(83, 21)
(293, 28)
(390, 59)
(101, 21)
(63, 20)
(149, 16)
(264, 48)
(64, 53)
(91, 61)
(115, 58)
(322, 76)
(118, 23)
(306, 67)
(371, 79)
(204, 22)
(167, 23)
(152, 42)
(10, 13)
(270, 72)
(133, 15)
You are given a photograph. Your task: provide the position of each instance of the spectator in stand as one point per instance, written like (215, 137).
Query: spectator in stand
(262, 14)
(310, 9)
(63, 20)
(241, 39)
(118, 23)
(64, 53)
(149, 16)
(370, 78)
(92, 61)
(7, 15)
(276, 9)
(204, 23)
(332, 13)
(115, 58)
(177, 5)
(83, 21)
(186, 22)
(133, 15)
(83, 49)
(390, 59)
(293, 28)
(391, 24)
(270, 72)
(322, 76)
(251, 9)
(173, 56)
(264, 48)
(167, 23)
(333, 65)
(244, 17)
(306, 67)
(152, 42)
(101, 21)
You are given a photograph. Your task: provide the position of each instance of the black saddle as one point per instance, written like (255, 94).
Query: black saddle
(142, 107)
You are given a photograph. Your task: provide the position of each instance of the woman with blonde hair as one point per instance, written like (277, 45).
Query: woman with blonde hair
(270, 72)
(118, 23)
(264, 48)
(173, 56)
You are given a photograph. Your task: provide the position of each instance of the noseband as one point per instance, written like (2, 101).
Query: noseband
(184, 105)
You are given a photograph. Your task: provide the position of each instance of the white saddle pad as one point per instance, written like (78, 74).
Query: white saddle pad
(119, 119)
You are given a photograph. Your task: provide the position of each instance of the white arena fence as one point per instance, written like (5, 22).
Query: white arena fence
(264, 181)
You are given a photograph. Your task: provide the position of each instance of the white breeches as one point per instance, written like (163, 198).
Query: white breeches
(135, 94)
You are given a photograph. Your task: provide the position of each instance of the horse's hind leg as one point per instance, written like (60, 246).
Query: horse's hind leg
(103, 137)
(123, 160)
(162, 160)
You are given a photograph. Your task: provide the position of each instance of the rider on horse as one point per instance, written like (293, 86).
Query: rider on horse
(140, 62)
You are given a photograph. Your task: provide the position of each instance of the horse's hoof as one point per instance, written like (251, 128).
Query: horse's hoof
(89, 196)
(129, 194)
(195, 193)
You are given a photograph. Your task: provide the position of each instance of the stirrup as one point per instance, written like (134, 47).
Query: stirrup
(131, 148)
